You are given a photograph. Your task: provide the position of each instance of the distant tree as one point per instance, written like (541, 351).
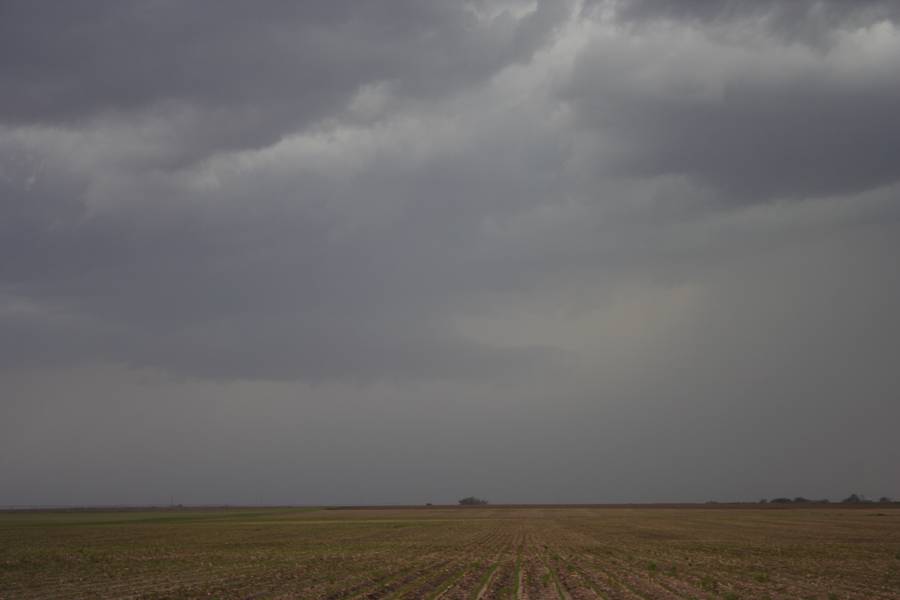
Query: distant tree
(781, 500)
(763, 501)
(885, 499)
(472, 501)
(853, 499)
(801, 499)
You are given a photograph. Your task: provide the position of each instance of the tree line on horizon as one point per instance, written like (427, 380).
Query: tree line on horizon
(851, 499)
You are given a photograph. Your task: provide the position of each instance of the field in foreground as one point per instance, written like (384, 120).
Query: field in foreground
(453, 553)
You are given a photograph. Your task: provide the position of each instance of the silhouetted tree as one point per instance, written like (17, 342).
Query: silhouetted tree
(472, 501)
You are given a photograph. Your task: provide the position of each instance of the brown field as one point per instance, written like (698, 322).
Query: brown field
(453, 553)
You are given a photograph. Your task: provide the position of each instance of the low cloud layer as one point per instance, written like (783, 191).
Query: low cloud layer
(402, 252)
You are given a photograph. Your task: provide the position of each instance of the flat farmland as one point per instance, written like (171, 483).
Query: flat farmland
(453, 553)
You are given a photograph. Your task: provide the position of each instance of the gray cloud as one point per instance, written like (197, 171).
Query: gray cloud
(569, 241)
(732, 105)
(806, 20)
(235, 76)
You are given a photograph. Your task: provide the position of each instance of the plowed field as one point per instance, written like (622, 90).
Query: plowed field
(453, 553)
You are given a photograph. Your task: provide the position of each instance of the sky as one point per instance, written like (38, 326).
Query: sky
(407, 251)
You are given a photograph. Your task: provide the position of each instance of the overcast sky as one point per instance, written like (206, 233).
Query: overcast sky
(405, 251)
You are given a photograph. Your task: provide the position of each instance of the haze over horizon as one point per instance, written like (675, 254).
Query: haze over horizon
(334, 252)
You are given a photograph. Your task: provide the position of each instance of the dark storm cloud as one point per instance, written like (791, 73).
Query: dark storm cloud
(185, 83)
(244, 74)
(725, 99)
(794, 19)
(389, 218)
(526, 240)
